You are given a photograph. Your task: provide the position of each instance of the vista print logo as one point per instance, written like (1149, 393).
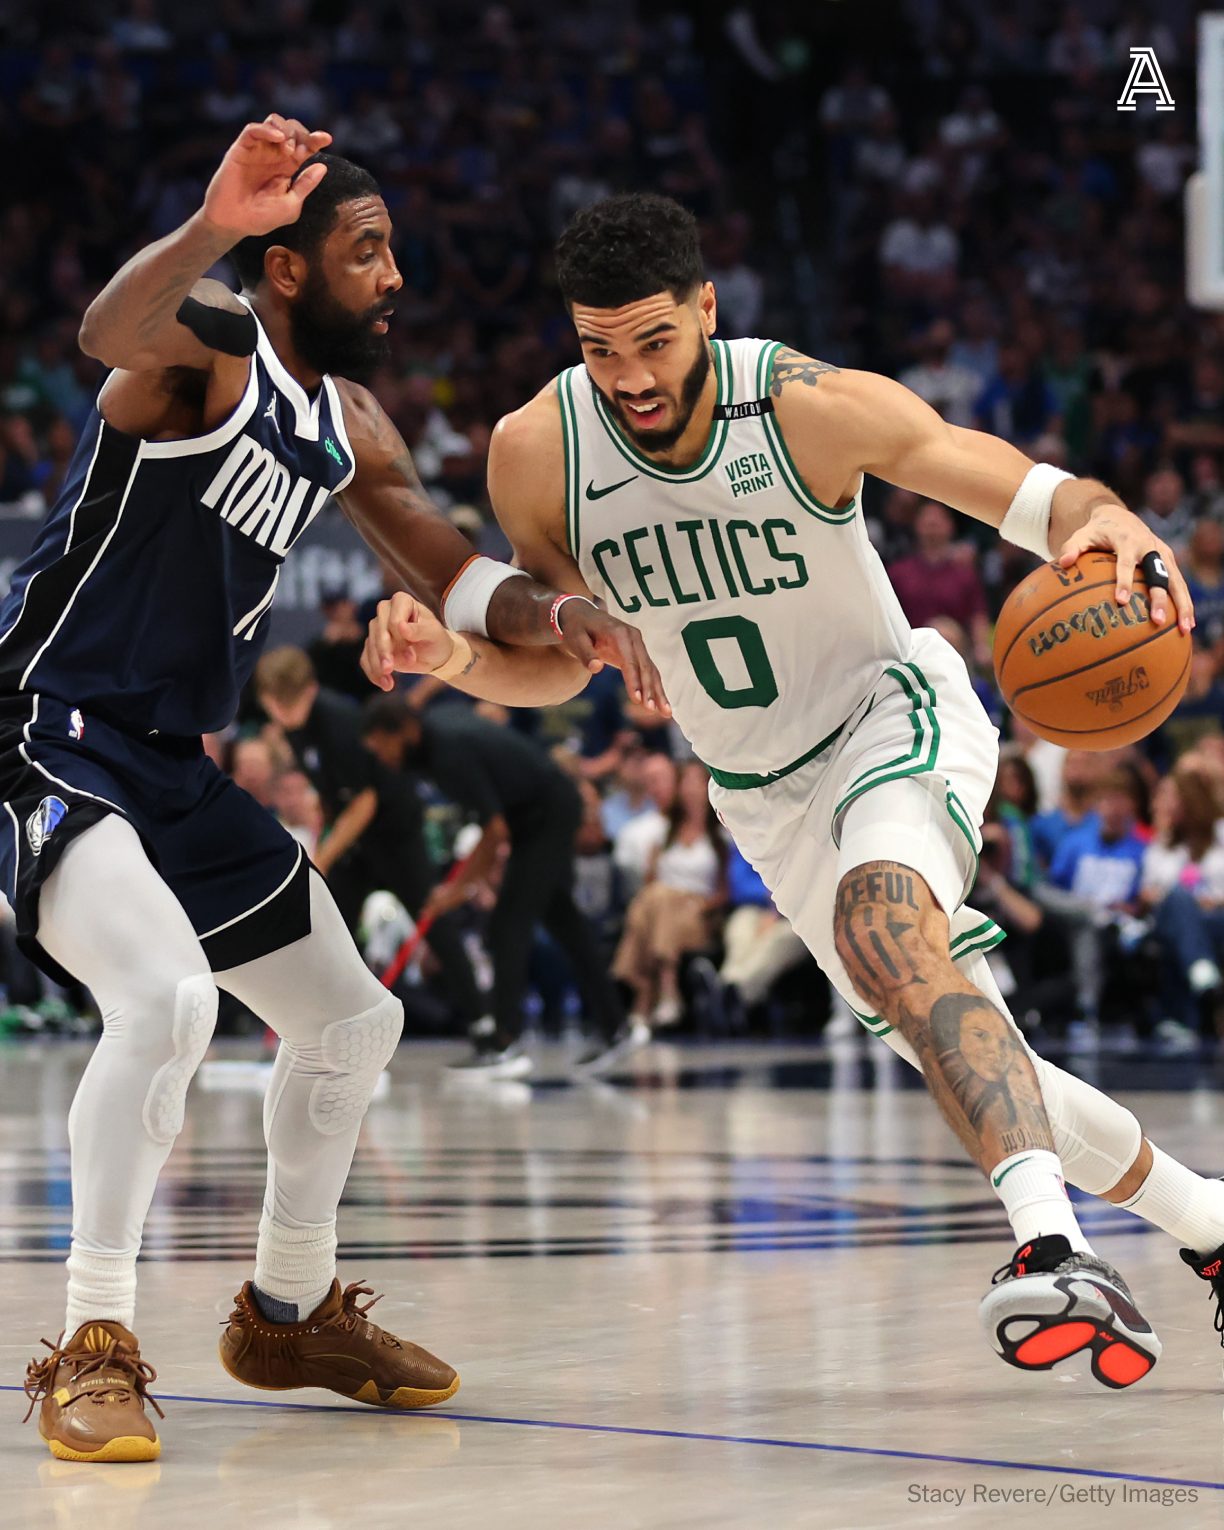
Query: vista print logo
(1145, 79)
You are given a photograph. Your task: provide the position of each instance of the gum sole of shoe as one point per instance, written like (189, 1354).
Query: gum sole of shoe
(1116, 1361)
(127, 1447)
(402, 1398)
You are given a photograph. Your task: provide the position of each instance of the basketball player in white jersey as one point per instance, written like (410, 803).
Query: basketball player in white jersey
(708, 492)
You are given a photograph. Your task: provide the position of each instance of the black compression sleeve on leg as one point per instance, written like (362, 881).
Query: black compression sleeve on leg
(233, 333)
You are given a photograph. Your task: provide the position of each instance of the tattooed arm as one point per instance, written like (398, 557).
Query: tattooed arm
(892, 938)
(840, 424)
(521, 663)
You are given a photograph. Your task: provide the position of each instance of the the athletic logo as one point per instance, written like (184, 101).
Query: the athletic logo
(76, 724)
(270, 413)
(42, 821)
(1145, 79)
(593, 493)
(333, 451)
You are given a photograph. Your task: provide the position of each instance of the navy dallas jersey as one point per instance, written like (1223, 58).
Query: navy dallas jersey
(131, 629)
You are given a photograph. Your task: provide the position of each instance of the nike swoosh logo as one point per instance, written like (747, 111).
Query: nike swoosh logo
(997, 1182)
(593, 493)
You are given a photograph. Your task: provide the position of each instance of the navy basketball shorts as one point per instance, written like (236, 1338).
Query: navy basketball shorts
(241, 878)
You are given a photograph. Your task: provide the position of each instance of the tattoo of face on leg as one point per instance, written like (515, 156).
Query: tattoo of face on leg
(982, 1062)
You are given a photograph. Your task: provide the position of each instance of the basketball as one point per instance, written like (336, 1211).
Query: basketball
(1079, 669)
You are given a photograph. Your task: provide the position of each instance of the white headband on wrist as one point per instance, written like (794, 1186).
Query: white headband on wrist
(1027, 522)
(465, 606)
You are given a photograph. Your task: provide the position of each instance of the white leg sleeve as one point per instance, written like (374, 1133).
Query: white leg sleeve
(107, 917)
(1096, 1138)
(339, 1028)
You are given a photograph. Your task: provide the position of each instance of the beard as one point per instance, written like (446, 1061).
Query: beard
(690, 392)
(332, 338)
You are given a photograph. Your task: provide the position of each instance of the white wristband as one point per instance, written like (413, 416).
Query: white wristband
(1027, 522)
(465, 606)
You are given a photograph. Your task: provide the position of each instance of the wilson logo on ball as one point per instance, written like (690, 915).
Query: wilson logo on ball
(1094, 621)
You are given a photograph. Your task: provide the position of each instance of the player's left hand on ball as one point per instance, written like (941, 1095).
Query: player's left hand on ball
(1115, 529)
(596, 639)
(406, 638)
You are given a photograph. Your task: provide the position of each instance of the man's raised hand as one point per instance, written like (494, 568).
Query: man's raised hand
(254, 190)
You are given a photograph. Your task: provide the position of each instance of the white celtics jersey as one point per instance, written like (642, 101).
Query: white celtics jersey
(768, 614)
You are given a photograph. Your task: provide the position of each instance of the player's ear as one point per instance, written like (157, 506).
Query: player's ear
(707, 308)
(285, 270)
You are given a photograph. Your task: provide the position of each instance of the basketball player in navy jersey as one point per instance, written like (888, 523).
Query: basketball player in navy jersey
(225, 425)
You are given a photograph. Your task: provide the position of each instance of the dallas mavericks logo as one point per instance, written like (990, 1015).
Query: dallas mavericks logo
(42, 821)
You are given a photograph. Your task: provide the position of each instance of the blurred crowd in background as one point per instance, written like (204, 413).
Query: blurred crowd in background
(966, 211)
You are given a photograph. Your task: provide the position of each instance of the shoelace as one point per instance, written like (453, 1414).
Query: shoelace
(350, 1314)
(40, 1373)
(1215, 1285)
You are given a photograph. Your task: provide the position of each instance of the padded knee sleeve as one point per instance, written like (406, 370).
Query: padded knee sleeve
(1096, 1138)
(195, 1018)
(354, 1054)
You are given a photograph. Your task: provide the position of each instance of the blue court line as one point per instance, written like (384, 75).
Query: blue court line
(714, 1439)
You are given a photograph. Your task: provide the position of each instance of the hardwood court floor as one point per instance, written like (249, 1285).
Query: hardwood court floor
(738, 1288)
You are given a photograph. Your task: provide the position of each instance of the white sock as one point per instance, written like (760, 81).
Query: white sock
(1182, 1203)
(1030, 1185)
(295, 1265)
(100, 1286)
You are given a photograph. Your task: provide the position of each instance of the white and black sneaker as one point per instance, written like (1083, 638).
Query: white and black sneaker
(1210, 1267)
(492, 1062)
(607, 1051)
(1049, 1303)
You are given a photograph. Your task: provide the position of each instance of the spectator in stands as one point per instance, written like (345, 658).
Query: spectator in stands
(1183, 887)
(919, 251)
(336, 652)
(641, 835)
(1203, 566)
(938, 580)
(950, 389)
(1081, 775)
(531, 811)
(1094, 885)
(374, 837)
(253, 767)
(670, 917)
(1166, 508)
(758, 943)
(1017, 403)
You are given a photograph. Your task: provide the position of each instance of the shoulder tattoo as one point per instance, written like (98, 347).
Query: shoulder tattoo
(791, 366)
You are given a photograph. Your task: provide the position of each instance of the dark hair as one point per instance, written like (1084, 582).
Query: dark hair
(676, 815)
(627, 248)
(386, 714)
(344, 182)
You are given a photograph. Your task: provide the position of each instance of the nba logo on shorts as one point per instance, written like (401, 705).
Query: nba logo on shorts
(43, 820)
(76, 724)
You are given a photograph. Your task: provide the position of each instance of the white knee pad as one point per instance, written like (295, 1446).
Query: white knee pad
(354, 1053)
(1096, 1138)
(195, 1018)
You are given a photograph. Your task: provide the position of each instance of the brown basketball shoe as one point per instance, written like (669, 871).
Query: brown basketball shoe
(337, 1347)
(93, 1392)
